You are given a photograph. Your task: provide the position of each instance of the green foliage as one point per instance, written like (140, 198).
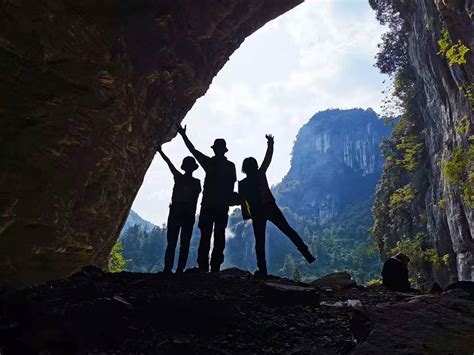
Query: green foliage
(463, 126)
(117, 262)
(432, 256)
(344, 245)
(402, 196)
(392, 53)
(411, 150)
(468, 90)
(442, 203)
(144, 249)
(415, 249)
(459, 171)
(445, 259)
(455, 52)
(453, 169)
(374, 283)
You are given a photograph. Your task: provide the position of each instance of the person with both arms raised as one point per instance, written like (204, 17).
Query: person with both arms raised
(259, 205)
(217, 196)
(182, 213)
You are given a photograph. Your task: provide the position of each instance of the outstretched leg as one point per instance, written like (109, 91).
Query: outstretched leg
(274, 214)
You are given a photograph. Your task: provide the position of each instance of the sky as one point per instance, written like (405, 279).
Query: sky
(319, 55)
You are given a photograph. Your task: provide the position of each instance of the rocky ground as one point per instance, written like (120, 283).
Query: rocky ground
(229, 312)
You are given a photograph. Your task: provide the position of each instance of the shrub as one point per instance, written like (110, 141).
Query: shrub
(117, 262)
(442, 203)
(454, 52)
(462, 127)
(402, 196)
(453, 168)
(374, 283)
(411, 151)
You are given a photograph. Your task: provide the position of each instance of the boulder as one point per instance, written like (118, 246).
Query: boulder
(235, 272)
(457, 293)
(467, 286)
(427, 325)
(278, 294)
(337, 280)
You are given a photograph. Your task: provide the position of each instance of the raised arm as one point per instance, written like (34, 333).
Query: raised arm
(268, 155)
(201, 158)
(174, 171)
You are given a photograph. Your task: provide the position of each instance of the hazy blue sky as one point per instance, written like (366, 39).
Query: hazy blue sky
(319, 55)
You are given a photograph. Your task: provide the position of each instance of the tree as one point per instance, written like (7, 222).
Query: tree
(117, 262)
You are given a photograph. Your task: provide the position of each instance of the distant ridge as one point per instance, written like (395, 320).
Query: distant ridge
(134, 219)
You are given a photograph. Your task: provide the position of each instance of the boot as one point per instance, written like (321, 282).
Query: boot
(307, 254)
(215, 268)
(260, 274)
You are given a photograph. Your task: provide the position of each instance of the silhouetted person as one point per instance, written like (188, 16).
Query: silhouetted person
(216, 199)
(395, 273)
(259, 204)
(186, 191)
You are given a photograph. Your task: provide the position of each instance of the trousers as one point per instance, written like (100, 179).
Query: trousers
(271, 212)
(180, 219)
(212, 219)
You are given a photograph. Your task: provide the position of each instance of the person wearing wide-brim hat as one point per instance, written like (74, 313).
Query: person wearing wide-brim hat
(217, 196)
(186, 191)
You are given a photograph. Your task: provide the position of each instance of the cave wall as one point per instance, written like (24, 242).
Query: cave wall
(88, 91)
(441, 209)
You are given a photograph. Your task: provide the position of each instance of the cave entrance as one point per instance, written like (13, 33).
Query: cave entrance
(277, 79)
(317, 56)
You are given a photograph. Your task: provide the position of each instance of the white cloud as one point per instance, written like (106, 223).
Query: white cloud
(317, 56)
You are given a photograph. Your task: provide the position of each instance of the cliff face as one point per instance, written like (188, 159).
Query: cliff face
(88, 91)
(336, 161)
(441, 201)
(446, 108)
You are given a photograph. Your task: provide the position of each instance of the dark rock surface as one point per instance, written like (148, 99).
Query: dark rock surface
(223, 313)
(335, 280)
(422, 325)
(89, 90)
(148, 313)
(278, 294)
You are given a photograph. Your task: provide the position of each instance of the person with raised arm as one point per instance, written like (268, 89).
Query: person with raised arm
(182, 213)
(258, 204)
(218, 195)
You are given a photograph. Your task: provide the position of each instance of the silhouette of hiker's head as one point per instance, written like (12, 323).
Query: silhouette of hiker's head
(250, 166)
(402, 258)
(219, 146)
(189, 164)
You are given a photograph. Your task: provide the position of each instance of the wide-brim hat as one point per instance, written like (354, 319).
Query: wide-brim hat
(189, 163)
(220, 143)
(402, 257)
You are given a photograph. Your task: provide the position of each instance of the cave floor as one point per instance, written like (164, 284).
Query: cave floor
(229, 312)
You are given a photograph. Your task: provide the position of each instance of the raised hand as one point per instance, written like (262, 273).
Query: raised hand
(180, 129)
(269, 138)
